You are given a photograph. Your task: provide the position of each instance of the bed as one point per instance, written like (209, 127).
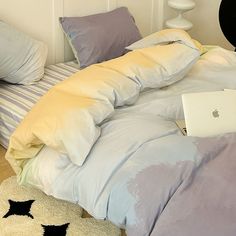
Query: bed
(139, 171)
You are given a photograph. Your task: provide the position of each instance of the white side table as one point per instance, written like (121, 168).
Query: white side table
(180, 6)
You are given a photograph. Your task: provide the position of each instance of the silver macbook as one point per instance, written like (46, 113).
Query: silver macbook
(209, 113)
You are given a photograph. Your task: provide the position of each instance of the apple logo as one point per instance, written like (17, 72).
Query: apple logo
(215, 113)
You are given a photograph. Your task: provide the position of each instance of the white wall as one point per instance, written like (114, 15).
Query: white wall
(39, 18)
(204, 17)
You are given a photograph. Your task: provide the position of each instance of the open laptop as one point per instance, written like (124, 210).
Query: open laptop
(209, 113)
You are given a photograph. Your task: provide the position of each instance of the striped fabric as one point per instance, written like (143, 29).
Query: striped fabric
(17, 100)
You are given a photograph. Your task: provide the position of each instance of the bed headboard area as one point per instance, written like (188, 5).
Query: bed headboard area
(40, 19)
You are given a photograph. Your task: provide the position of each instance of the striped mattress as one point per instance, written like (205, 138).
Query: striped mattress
(17, 100)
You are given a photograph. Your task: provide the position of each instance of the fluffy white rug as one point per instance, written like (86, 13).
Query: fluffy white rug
(29, 212)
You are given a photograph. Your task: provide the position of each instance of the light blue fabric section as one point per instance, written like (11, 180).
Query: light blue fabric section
(22, 58)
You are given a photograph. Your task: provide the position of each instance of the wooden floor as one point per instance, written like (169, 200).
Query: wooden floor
(5, 169)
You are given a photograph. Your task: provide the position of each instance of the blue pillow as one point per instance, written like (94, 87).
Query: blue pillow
(22, 58)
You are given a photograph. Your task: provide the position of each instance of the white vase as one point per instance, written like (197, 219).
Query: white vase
(180, 6)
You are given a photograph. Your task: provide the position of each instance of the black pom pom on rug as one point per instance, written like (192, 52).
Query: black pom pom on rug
(26, 211)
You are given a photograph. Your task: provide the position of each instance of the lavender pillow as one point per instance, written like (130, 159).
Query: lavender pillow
(100, 37)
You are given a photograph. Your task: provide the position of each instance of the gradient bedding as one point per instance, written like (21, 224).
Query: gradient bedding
(140, 172)
(73, 109)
